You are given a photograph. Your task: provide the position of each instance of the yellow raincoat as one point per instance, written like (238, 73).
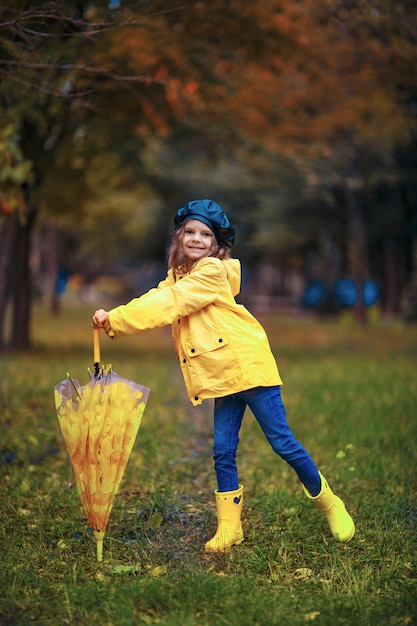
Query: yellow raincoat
(221, 347)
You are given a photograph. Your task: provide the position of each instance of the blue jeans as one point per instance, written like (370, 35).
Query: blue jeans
(267, 406)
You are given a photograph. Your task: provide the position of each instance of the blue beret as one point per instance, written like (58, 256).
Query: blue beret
(211, 214)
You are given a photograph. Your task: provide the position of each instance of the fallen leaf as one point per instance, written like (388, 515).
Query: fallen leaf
(159, 570)
(24, 512)
(149, 618)
(310, 616)
(122, 569)
(302, 573)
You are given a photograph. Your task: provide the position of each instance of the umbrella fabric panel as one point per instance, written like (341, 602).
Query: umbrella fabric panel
(99, 423)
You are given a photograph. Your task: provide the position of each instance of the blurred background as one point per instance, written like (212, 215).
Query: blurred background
(298, 117)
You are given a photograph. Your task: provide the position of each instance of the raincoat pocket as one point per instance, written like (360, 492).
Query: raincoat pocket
(211, 366)
(211, 340)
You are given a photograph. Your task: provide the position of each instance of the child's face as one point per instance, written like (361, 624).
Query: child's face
(197, 241)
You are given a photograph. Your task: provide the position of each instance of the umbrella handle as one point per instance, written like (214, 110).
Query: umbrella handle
(96, 351)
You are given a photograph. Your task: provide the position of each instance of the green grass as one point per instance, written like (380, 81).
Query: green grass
(351, 398)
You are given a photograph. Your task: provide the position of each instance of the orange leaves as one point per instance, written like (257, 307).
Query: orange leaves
(191, 88)
(5, 207)
(152, 118)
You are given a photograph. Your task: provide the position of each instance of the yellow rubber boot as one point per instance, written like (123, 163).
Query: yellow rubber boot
(341, 524)
(229, 528)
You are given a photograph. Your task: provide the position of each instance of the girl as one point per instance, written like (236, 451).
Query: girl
(224, 354)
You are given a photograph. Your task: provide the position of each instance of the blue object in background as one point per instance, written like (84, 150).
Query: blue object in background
(61, 282)
(346, 292)
(314, 293)
(370, 292)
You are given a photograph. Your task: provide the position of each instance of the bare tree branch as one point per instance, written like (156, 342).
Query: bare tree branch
(51, 92)
(83, 27)
(67, 67)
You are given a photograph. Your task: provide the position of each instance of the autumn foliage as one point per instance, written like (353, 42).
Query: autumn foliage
(309, 105)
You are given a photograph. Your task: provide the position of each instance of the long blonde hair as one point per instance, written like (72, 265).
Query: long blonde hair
(176, 258)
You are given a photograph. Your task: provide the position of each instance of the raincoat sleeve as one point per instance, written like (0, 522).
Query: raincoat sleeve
(171, 300)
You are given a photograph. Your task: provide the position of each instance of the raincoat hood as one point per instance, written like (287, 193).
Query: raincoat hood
(233, 272)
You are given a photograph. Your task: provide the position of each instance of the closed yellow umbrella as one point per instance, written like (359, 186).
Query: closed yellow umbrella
(99, 422)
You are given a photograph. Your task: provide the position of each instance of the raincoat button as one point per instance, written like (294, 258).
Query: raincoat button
(184, 360)
(220, 340)
(192, 350)
(196, 398)
(179, 321)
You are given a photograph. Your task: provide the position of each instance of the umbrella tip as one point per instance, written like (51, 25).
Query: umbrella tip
(99, 535)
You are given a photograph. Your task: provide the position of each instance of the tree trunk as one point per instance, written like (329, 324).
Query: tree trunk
(22, 300)
(356, 229)
(357, 246)
(394, 253)
(394, 275)
(8, 242)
